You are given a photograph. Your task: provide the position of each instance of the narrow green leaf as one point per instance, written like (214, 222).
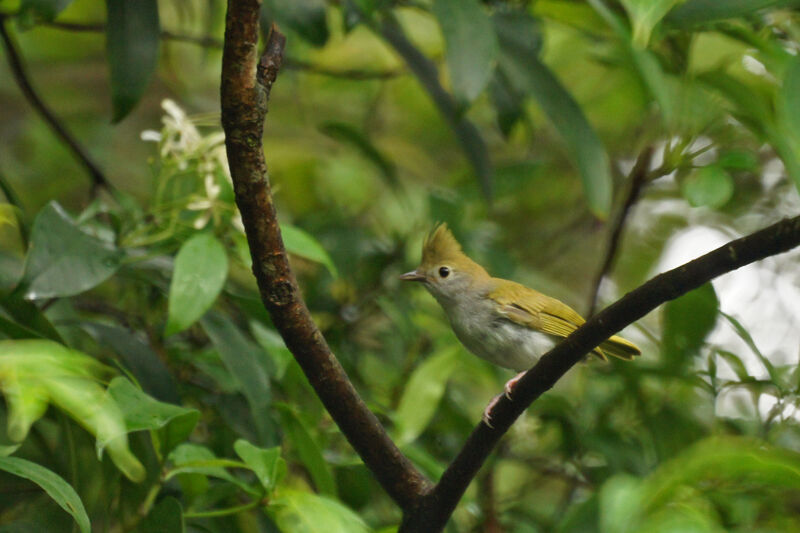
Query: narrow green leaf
(132, 38)
(529, 75)
(687, 322)
(188, 458)
(54, 485)
(742, 332)
(201, 268)
(698, 12)
(349, 134)
(422, 394)
(34, 11)
(300, 243)
(471, 45)
(710, 186)
(247, 363)
(62, 259)
(736, 365)
(307, 448)
(142, 412)
(645, 15)
(304, 512)
(266, 463)
(273, 344)
(165, 517)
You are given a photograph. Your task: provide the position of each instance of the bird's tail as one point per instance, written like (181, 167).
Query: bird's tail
(617, 347)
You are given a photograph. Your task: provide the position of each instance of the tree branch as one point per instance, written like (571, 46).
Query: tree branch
(21, 77)
(636, 180)
(245, 88)
(436, 507)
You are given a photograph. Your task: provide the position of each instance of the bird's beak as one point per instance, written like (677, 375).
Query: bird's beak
(412, 276)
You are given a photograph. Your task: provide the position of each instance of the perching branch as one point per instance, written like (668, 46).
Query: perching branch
(435, 508)
(21, 77)
(636, 180)
(246, 84)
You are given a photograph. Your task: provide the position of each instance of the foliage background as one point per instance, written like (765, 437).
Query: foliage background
(700, 434)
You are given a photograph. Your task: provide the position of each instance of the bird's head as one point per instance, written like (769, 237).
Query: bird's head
(445, 270)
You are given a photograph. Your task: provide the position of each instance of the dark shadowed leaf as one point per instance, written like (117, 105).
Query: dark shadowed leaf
(471, 45)
(687, 322)
(709, 186)
(201, 267)
(132, 37)
(165, 517)
(62, 259)
(307, 449)
(306, 17)
(697, 12)
(54, 485)
(33, 11)
(248, 363)
(529, 75)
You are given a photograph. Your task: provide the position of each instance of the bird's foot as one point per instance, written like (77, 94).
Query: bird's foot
(511, 383)
(487, 413)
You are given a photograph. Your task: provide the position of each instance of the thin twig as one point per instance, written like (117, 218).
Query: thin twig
(435, 508)
(245, 88)
(636, 180)
(21, 77)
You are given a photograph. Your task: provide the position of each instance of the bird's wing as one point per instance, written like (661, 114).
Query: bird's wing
(535, 310)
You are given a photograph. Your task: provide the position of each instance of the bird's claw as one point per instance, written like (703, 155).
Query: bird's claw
(511, 383)
(487, 413)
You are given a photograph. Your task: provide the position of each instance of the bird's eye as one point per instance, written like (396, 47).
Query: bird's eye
(444, 272)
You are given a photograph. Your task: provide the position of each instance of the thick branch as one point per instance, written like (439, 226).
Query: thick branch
(21, 77)
(246, 84)
(636, 181)
(436, 507)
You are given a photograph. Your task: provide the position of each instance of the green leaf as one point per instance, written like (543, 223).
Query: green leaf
(738, 160)
(273, 344)
(687, 322)
(201, 268)
(741, 331)
(132, 38)
(300, 243)
(141, 412)
(304, 512)
(709, 186)
(736, 365)
(188, 458)
(267, 463)
(54, 485)
(349, 134)
(529, 75)
(34, 11)
(422, 394)
(699, 12)
(248, 364)
(645, 14)
(308, 450)
(165, 517)
(62, 259)
(471, 45)
(306, 17)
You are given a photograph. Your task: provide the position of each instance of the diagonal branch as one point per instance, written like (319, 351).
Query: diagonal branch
(436, 507)
(21, 77)
(245, 88)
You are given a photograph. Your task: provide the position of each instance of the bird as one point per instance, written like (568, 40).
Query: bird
(501, 321)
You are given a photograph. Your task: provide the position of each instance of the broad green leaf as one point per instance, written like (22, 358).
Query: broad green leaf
(300, 243)
(141, 412)
(165, 517)
(687, 322)
(62, 259)
(738, 160)
(422, 394)
(349, 134)
(789, 110)
(307, 449)
(17, 311)
(709, 186)
(132, 38)
(188, 458)
(247, 363)
(698, 12)
(138, 357)
(529, 75)
(303, 512)
(471, 45)
(34, 373)
(306, 17)
(645, 15)
(507, 102)
(34, 11)
(267, 463)
(201, 268)
(620, 504)
(54, 485)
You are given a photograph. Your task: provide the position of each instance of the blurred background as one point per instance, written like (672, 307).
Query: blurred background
(538, 130)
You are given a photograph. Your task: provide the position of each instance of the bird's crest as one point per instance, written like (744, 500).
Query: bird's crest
(441, 247)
